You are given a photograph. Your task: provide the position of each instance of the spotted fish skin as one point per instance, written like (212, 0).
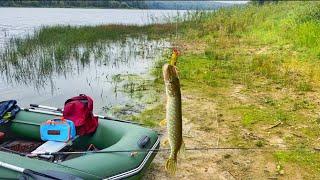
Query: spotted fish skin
(173, 114)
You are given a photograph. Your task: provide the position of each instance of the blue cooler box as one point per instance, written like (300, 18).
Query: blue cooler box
(57, 130)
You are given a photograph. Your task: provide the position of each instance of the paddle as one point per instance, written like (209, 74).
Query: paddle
(48, 175)
(99, 116)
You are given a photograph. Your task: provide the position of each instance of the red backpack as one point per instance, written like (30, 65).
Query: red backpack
(79, 110)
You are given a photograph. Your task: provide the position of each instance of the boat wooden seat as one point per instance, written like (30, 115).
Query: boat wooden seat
(52, 146)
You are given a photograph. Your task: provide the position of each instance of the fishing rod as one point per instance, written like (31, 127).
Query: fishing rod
(135, 151)
(60, 110)
(28, 172)
(60, 114)
(47, 175)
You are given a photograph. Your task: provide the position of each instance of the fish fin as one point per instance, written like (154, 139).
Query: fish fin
(165, 142)
(182, 150)
(171, 166)
(163, 122)
(177, 70)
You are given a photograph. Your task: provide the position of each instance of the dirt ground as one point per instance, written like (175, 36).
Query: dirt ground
(205, 127)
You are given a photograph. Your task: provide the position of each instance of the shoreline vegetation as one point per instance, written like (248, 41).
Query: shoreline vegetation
(73, 4)
(254, 70)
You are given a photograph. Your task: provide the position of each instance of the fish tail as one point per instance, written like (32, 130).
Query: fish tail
(171, 165)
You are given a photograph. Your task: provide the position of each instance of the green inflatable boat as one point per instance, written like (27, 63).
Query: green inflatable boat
(117, 150)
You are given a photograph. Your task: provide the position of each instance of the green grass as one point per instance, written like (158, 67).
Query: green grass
(253, 116)
(284, 28)
(151, 117)
(302, 157)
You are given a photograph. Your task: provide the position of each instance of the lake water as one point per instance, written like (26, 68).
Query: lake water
(106, 73)
(20, 21)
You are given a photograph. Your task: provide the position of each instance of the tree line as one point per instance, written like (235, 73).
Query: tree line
(137, 4)
(73, 3)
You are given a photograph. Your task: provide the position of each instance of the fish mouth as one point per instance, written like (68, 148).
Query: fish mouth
(169, 72)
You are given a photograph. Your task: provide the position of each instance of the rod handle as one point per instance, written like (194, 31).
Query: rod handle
(34, 105)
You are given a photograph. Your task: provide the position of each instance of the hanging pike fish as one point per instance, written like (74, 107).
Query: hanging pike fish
(173, 115)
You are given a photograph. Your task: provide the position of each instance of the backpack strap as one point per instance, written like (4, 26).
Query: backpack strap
(82, 98)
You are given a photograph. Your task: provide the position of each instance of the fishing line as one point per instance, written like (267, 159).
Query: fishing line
(176, 27)
(59, 111)
(135, 151)
(177, 21)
